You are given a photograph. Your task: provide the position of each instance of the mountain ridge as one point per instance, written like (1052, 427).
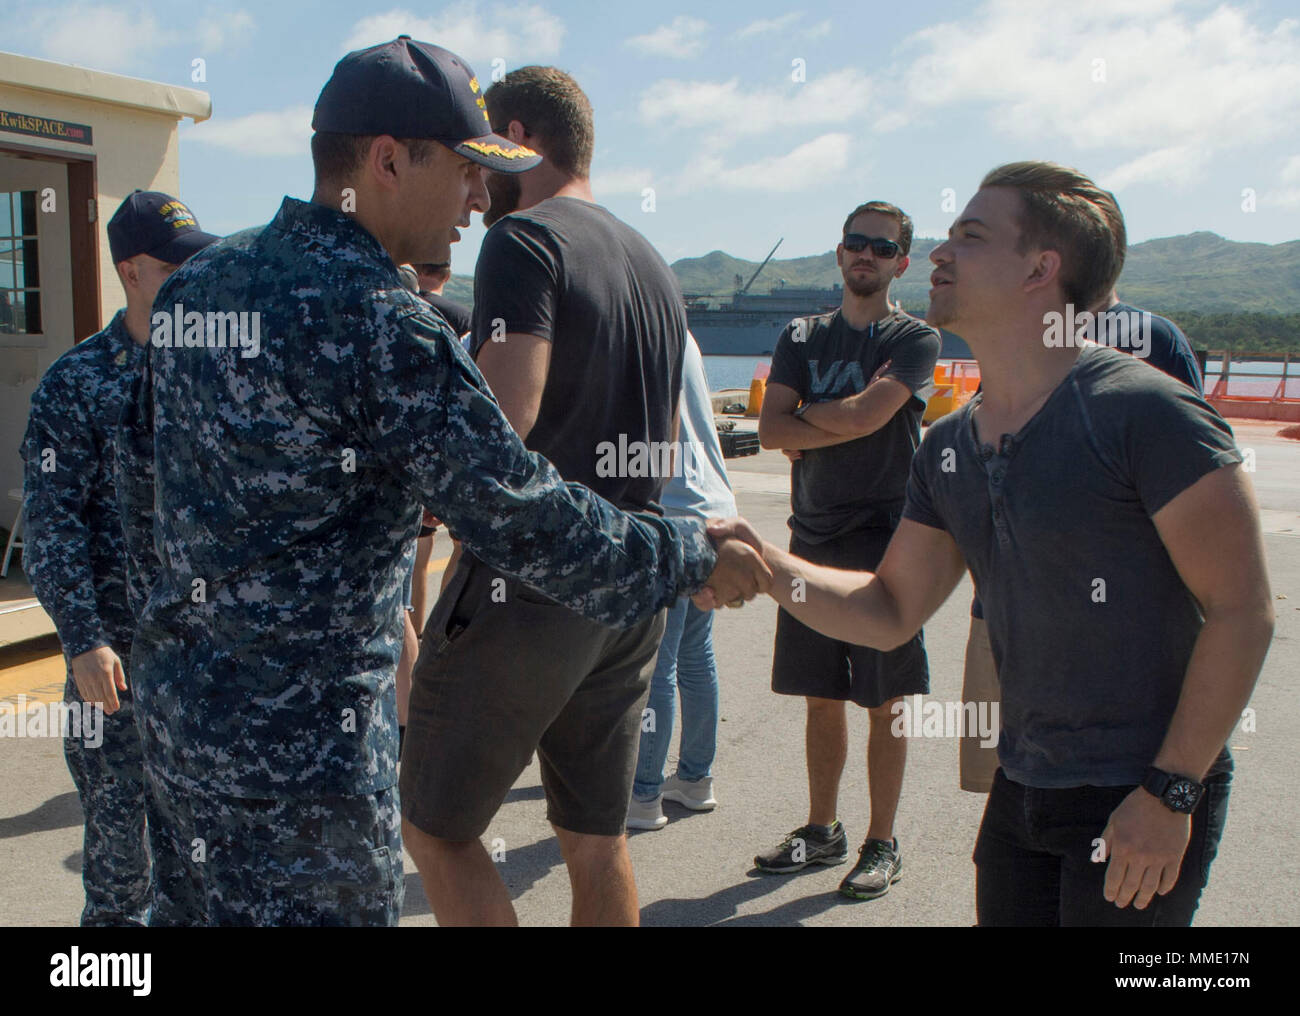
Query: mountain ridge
(1200, 271)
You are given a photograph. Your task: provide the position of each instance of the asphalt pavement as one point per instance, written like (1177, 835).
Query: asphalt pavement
(698, 870)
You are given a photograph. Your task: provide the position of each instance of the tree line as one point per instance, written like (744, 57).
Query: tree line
(1263, 333)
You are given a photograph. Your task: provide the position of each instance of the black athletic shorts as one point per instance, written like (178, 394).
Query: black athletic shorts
(805, 662)
(504, 671)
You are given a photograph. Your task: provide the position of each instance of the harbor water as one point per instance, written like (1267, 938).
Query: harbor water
(737, 371)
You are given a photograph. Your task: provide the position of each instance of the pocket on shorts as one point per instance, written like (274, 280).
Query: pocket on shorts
(448, 618)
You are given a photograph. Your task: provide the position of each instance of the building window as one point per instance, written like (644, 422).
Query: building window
(20, 265)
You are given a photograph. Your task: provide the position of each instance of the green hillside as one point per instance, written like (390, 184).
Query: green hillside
(1224, 294)
(1200, 272)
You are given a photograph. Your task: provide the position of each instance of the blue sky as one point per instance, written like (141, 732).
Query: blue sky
(758, 120)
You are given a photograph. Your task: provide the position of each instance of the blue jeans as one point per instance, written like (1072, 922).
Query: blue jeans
(685, 662)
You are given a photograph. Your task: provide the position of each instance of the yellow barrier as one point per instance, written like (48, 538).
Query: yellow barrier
(956, 383)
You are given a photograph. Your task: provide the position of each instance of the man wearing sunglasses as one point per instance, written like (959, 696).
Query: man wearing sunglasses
(842, 402)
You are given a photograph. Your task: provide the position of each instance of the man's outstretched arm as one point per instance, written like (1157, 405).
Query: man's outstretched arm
(427, 414)
(884, 609)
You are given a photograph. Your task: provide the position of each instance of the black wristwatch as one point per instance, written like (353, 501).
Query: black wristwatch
(1177, 793)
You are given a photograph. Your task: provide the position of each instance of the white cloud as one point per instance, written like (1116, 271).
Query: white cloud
(96, 35)
(216, 30)
(620, 181)
(1288, 195)
(1178, 165)
(516, 34)
(813, 164)
(272, 133)
(730, 108)
(809, 165)
(1169, 79)
(681, 39)
(890, 121)
(119, 38)
(1288, 198)
(765, 25)
(818, 30)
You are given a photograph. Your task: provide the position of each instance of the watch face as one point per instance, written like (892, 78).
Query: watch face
(1182, 795)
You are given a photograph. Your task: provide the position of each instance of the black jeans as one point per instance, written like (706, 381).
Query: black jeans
(1034, 867)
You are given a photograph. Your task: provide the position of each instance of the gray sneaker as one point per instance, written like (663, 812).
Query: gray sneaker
(697, 795)
(804, 847)
(646, 814)
(880, 865)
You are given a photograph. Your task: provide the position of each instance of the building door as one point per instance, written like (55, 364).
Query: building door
(36, 306)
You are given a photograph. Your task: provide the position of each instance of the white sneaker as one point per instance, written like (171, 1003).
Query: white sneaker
(646, 814)
(697, 796)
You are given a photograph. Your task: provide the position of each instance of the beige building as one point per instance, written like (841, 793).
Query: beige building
(73, 144)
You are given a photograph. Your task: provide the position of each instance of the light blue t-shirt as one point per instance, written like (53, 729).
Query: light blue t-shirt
(701, 490)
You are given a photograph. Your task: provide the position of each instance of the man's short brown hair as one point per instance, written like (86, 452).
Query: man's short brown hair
(336, 157)
(894, 212)
(441, 271)
(551, 106)
(1064, 211)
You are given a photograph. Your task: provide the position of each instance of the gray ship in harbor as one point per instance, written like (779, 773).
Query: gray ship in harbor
(750, 323)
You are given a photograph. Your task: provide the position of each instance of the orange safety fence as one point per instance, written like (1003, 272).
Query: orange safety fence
(955, 382)
(1256, 385)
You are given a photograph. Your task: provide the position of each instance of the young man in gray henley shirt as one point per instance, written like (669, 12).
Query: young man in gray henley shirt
(1114, 538)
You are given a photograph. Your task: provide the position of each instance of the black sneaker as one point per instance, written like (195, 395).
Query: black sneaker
(803, 847)
(880, 865)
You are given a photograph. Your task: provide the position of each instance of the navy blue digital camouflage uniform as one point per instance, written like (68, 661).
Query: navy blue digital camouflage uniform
(75, 558)
(287, 486)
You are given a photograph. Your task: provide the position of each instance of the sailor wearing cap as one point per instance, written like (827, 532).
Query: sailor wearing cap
(287, 485)
(75, 556)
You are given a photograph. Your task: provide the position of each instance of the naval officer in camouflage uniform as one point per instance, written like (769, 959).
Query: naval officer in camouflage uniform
(288, 468)
(75, 556)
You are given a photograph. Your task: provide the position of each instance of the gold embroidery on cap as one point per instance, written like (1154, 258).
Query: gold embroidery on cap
(492, 148)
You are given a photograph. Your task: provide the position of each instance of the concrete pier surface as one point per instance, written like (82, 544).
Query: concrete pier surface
(698, 869)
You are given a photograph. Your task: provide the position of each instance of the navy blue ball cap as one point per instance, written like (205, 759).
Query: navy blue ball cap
(157, 224)
(410, 89)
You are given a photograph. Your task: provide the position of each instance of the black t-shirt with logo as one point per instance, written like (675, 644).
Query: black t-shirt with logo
(860, 483)
(568, 271)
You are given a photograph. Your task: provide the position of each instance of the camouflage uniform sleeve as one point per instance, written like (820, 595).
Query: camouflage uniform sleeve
(134, 478)
(427, 413)
(59, 463)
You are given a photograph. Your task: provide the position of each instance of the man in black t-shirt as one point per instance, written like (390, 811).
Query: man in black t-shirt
(579, 328)
(845, 399)
(1149, 337)
(432, 277)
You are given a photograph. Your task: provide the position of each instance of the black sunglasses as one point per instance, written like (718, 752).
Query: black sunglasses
(880, 247)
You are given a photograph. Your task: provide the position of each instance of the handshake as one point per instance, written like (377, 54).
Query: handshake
(740, 573)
